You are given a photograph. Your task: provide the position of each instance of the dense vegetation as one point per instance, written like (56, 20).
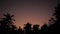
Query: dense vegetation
(7, 25)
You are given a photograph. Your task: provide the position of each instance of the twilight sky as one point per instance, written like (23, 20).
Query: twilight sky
(33, 11)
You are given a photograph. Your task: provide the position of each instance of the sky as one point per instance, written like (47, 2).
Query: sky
(32, 11)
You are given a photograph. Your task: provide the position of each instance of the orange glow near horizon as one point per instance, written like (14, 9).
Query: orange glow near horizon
(31, 20)
(32, 11)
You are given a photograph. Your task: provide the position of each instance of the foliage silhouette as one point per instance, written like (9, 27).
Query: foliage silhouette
(55, 27)
(20, 31)
(44, 29)
(7, 25)
(36, 29)
(27, 28)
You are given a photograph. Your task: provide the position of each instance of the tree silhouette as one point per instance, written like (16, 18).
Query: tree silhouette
(27, 28)
(7, 23)
(20, 31)
(44, 29)
(55, 27)
(57, 15)
(36, 29)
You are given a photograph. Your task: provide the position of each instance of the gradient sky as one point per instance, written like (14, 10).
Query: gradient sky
(33, 11)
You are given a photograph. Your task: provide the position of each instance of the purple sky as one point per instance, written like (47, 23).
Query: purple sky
(33, 11)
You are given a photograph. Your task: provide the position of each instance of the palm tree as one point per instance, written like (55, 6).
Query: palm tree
(7, 23)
